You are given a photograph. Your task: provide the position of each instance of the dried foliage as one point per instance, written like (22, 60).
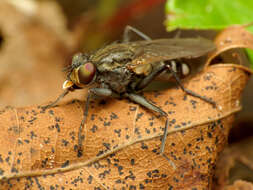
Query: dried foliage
(122, 140)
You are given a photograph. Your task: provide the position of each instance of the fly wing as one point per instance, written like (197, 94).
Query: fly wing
(148, 52)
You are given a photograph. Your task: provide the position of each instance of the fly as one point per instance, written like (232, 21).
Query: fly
(122, 70)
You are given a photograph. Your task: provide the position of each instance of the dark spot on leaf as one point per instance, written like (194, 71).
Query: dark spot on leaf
(193, 102)
(139, 115)
(7, 159)
(141, 186)
(107, 123)
(173, 121)
(47, 140)
(14, 170)
(20, 142)
(143, 146)
(175, 179)
(65, 142)
(117, 131)
(31, 120)
(107, 146)
(208, 149)
(147, 131)
(103, 174)
(33, 135)
(90, 179)
(1, 171)
(57, 127)
(120, 168)
(130, 176)
(132, 187)
(92, 117)
(209, 135)
(51, 112)
(94, 128)
(100, 153)
(184, 152)
(113, 116)
(136, 131)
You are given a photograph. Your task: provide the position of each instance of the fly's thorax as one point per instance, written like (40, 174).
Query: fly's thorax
(116, 79)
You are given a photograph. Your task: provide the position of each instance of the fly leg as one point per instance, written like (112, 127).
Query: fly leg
(129, 29)
(57, 100)
(142, 101)
(187, 90)
(95, 91)
(145, 103)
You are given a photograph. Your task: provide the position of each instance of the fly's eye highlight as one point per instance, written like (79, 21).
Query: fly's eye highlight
(86, 73)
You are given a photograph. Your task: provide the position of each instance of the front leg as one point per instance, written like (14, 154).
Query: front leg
(56, 101)
(95, 91)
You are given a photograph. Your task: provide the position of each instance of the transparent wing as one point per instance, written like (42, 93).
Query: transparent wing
(148, 52)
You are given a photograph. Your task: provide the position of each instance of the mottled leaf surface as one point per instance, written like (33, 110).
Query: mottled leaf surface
(122, 140)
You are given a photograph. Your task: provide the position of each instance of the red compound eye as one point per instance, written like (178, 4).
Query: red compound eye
(86, 73)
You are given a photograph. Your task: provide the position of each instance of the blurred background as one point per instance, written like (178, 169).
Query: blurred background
(38, 39)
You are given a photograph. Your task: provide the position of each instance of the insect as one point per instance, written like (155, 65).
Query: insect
(121, 70)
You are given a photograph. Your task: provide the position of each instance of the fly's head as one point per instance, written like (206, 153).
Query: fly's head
(80, 73)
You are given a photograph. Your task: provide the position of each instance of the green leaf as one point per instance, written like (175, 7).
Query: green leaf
(207, 14)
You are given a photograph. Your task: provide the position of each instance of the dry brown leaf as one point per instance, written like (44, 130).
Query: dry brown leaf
(229, 40)
(122, 140)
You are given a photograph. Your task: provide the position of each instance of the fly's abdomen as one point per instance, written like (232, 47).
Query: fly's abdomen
(181, 68)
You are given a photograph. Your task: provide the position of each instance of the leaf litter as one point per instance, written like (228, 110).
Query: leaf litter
(122, 140)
